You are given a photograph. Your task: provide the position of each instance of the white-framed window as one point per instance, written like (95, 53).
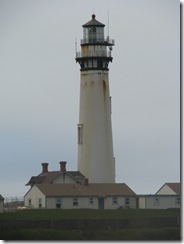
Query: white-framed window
(156, 201)
(80, 133)
(114, 200)
(177, 200)
(127, 202)
(58, 202)
(75, 201)
(29, 202)
(40, 202)
(91, 200)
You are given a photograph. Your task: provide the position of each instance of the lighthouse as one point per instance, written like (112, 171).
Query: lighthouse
(95, 145)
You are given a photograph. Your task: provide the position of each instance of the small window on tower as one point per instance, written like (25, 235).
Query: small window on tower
(80, 133)
(90, 63)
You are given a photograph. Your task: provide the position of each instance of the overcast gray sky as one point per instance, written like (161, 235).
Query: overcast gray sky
(39, 88)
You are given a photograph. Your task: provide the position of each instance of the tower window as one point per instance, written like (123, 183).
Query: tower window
(80, 133)
(100, 65)
(110, 104)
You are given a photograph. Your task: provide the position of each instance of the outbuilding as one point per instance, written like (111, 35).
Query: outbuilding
(168, 196)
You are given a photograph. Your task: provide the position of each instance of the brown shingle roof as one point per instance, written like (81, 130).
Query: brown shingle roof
(93, 189)
(48, 177)
(175, 187)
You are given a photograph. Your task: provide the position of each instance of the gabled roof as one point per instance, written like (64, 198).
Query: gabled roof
(173, 186)
(49, 177)
(54, 190)
(93, 22)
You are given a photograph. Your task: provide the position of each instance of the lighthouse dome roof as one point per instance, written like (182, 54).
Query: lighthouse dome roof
(93, 22)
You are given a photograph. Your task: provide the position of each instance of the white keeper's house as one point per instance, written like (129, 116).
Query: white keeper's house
(71, 190)
(76, 196)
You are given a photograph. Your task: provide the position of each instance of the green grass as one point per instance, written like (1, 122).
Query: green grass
(167, 233)
(120, 234)
(46, 214)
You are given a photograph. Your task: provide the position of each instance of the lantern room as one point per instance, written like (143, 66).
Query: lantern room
(93, 31)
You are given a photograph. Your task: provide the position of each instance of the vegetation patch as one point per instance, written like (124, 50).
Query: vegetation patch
(59, 214)
(120, 234)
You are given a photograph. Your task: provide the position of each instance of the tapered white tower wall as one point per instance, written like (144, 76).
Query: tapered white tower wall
(95, 146)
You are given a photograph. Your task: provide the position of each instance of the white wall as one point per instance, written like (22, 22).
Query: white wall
(120, 202)
(67, 203)
(34, 194)
(142, 202)
(166, 190)
(64, 179)
(158, 202)
(95, 149)
(83, 202)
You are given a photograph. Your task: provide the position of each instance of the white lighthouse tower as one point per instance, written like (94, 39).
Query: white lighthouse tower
(95, 146)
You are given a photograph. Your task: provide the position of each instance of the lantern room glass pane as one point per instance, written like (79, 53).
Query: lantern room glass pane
(93, 34)
(100, 33)
(85, 34)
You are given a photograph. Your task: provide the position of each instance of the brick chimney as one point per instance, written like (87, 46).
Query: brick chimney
(45, 167)
(86, 182)
(63, 166)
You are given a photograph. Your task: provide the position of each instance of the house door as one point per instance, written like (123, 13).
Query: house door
(101, 203)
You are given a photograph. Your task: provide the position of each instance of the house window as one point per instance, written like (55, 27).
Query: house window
(177, 201)
(75, 201)
(80, 133)
(29, 202)
(91, 200)
(156, 201)
(58, 202)
(114, 200)
(39, 202)
(127, 202)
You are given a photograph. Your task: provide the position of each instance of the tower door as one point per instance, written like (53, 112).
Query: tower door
(101, 203)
